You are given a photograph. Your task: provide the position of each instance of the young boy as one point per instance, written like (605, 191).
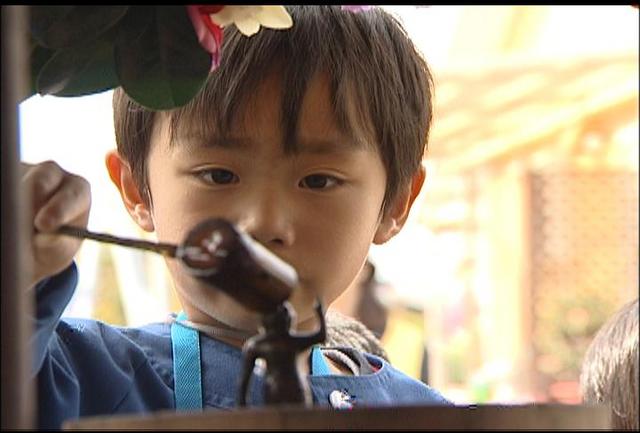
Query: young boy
(311, 141)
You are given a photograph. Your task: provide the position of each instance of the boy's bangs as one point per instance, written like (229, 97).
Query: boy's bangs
(247, 61)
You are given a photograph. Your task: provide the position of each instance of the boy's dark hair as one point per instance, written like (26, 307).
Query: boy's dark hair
(381, 87)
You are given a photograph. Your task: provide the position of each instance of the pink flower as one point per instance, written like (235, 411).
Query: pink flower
(209, 33)
(357, 8)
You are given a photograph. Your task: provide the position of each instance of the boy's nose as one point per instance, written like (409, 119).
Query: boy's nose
(267, 218)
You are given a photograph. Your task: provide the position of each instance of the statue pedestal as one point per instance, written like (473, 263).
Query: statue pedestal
(482, 417)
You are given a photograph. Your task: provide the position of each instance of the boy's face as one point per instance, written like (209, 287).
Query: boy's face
(319, 209)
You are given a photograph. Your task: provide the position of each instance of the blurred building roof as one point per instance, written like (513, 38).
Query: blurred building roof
(491, 112)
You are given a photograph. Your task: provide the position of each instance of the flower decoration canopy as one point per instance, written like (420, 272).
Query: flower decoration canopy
(160, 55)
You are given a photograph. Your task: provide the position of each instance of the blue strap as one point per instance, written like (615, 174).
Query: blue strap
(319, 366)
(187, 378)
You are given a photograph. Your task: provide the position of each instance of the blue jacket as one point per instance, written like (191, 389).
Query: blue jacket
(85, 368)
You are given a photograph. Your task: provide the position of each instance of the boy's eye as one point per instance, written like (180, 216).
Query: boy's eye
(218, 176)
(319, 181)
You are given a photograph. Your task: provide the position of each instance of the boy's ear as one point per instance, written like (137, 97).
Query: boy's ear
(397, 212)
(121, 176)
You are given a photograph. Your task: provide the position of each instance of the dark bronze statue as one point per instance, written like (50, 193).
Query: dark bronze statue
(279, 349)
(216, 253)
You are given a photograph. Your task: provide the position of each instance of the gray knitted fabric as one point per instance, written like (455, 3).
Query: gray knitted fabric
(347, 331)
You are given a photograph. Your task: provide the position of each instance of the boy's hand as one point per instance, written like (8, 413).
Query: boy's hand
(57, 198)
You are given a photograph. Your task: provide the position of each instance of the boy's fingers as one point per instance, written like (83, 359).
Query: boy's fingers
(69, 204)
(41, 181)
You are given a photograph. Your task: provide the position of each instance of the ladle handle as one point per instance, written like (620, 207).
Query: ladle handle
(168, 250)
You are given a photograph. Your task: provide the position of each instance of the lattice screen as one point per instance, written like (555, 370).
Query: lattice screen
(584, 262)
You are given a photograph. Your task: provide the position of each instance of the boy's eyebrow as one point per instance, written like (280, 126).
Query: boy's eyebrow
(312, 146)
(216, 141)
(323, 146)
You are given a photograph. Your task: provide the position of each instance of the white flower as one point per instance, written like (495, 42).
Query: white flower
(248, 19)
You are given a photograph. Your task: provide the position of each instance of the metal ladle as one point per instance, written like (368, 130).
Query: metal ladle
(216, 252)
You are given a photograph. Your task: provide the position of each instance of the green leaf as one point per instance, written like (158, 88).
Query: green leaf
(58, 27)
(159, 61)
(38, 57)
(79, 71)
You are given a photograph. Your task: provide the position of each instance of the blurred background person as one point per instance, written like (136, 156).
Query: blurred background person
(363, 301)
(610, 368)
